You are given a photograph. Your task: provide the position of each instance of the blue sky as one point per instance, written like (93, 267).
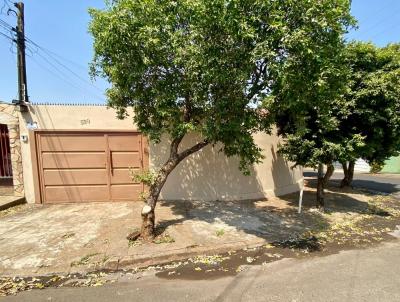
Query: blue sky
(61, 27)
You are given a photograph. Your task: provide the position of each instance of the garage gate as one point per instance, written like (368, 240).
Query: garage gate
(78, 166)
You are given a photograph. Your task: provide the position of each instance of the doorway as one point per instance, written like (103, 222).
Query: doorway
(6, 175)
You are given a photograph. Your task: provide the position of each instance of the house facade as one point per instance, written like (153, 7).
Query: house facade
(82, 153)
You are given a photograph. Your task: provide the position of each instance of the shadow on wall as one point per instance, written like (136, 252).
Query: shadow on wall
(283, 171)
(209, 175)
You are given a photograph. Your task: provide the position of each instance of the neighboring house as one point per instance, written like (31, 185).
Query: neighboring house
(80, 153)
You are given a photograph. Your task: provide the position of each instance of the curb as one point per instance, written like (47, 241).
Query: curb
(12, 203)
(140, 261)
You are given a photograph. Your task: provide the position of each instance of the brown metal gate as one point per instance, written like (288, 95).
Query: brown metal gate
(85, 166)
(5, 160)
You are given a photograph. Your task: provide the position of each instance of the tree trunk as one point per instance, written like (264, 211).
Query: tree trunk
(348, 171)
(147, 230)
(320, 187)
(329, 172)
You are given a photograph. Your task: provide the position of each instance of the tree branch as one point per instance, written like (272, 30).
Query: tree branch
(175, 145)
(192, 149)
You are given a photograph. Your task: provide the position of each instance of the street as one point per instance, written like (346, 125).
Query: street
(358, 275)
(387, 183)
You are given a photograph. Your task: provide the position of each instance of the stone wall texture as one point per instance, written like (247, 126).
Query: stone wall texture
(9, 117)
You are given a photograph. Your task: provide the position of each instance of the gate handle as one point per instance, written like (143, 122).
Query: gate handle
(110, 161)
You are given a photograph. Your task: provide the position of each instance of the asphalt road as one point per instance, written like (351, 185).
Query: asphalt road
(387, 183)
(358, 275)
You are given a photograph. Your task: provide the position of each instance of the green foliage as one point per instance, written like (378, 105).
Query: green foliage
(374, 93)
(376, 166)
(143, 176)
(361, 117)
(306, 98)
(219, 232)
(205, 65)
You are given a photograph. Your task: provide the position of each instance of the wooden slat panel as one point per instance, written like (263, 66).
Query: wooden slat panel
(124, 142)
(74, 166)
(75, 177)
(125, 160)
(121, 176)
(72, 142)
(76, 194)
(74, 160)
(125, 192)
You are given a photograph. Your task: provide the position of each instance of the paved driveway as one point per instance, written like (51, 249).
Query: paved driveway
(80, 237)
(52, 237)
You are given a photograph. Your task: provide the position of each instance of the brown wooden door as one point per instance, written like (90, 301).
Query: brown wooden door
(79, 166)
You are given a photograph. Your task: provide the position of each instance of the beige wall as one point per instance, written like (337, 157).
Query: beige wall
(207, 174)
(210, 175)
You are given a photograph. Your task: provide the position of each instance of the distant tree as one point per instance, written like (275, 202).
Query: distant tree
(374, 95)
(204, 66)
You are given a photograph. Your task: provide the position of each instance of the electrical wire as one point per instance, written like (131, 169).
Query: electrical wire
(6, 5)
(57, 61)
(42, 51)
(56, 54)
(54, 69)
(62, 78)
(362, 32)
(4, 24)
(5, 36)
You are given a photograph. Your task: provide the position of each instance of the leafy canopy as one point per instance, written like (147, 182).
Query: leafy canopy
(307, 101)
(206, 65)
(374, 93)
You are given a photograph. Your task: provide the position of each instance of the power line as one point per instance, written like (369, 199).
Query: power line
(384, 30)
(5, 36)
(57, 61)
(374, 25)
(59, 73)
(50, 55)
(56, 54)
(6, 5)
(60, 76)
(6, 26)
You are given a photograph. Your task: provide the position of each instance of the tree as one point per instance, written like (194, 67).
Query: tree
(308, 105)
(204, 66)
(374, 92)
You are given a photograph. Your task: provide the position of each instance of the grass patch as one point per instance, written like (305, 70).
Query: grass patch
(68, 235)
(220, 232)
(84, 260)
(164, 238)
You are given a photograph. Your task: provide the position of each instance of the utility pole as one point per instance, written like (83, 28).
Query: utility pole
(22, 83)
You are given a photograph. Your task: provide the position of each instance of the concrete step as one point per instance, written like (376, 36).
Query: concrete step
(10, 201)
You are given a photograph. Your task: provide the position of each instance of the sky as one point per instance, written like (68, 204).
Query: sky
(57, 72)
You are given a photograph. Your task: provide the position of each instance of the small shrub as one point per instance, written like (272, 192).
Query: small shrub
(376, 167)
(145, 177)
(220, 232)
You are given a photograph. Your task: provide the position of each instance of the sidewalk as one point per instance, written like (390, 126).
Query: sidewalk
(39, 240)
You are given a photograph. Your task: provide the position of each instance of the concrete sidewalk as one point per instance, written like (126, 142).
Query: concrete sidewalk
(39, 240)
(81, 237)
